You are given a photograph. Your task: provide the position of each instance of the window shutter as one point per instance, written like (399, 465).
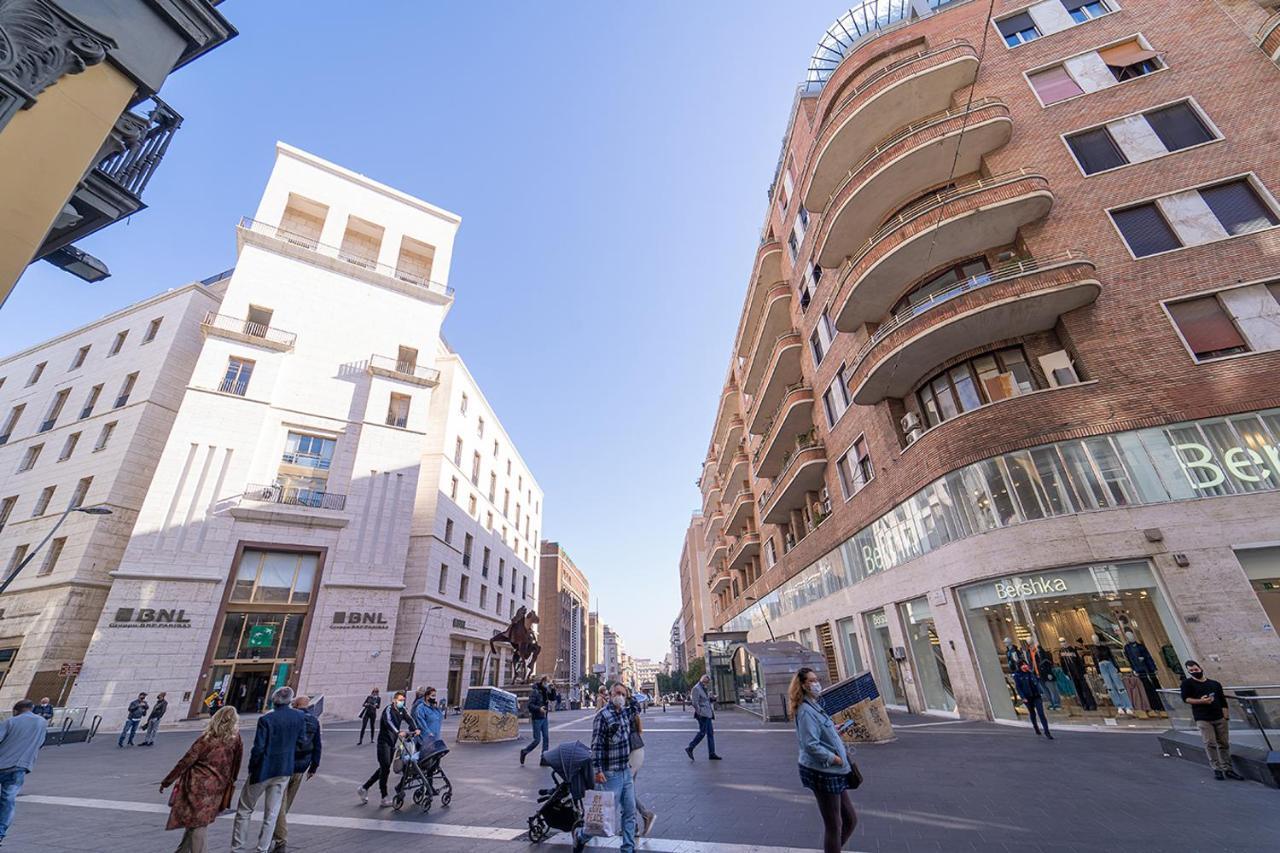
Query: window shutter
(1096, 150)
(1145, 230)
(1054, 84)
(1126, 54)
(1207, 328)
(1178, 127)
(1015, 24)
(1238, 207)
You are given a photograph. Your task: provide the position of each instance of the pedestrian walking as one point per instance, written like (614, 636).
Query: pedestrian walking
(369, 715)
(1209, 709)
(21, 737)
(306, 761)
(1028, 687)
(389, 723)
(137, 710)
(153, 721)
(280, 733)
(636, 760)
(204, 780)
(704, 711)
(537, 708)
(428, 716)
(44, 709)
(824, 762)
(611, 763)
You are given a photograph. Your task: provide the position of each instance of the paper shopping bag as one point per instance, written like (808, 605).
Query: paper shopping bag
(601, 813)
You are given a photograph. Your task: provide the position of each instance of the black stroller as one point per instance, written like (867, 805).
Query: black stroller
(560, 807)
(421, 773)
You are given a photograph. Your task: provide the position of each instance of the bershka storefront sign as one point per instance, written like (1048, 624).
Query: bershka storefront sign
(1024, 587)
(1242, 464)
(149, 617)
(356, 619)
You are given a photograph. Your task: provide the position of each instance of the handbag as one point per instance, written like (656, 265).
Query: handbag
(854, 778)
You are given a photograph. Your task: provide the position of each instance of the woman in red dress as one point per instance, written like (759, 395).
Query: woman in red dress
(205, 779)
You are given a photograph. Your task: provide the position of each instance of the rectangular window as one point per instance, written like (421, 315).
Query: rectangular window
(493, 486)
(471, 506)
(117, 343)
(104, 436)
(820, 340)
(81, 355)
(1145, 230)
(499, 607)
(153, 328)
(406, 360)
(35, 373)
(6, 509)
(1207, 328)
(42, 502)
(457, 452)
(464, 586)
(1085, 10)
(19, 554)
(448, 531)
(855, 468)
(29, 458)
(484, 596)
(524, 587)
(836, 399)
(81, 492)
(90, 401)
(484, 563)
(462, 408)
(1096, 150)
(126, 388)
(11, 422)
(1178, 126)
(981, 380)
(453, 488)
(467, 542)
(1129, 60)
(475, 469)
(55, 409)
(1018, 29)
(488, 521)
(69, 446)
(51, 556)
(398, 410)
(479, 427)
(444, 579)
(1238, 208)
(236, 379)
(1054, 84)
(495, 448)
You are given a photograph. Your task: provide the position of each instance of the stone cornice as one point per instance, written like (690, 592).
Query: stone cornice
(39, 43)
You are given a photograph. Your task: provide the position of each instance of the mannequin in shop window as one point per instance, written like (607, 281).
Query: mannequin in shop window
(1048, 681)
(1144, 666)
(1013, 656)
(1073, 665)
(1110, 675)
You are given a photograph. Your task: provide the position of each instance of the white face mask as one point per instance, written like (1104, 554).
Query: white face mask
(815, 689)
(619, 701)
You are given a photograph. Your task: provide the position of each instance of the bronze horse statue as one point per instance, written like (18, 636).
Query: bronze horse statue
(522, 639)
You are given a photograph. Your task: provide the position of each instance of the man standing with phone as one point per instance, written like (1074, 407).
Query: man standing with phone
(1209, 708)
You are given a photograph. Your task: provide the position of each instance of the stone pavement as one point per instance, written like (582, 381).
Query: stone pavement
(941, 786)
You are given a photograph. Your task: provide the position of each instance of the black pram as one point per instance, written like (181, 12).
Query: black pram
(420, 772)
(560, 807)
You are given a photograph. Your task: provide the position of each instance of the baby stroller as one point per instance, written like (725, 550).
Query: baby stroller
(421, 773)
(560, 807)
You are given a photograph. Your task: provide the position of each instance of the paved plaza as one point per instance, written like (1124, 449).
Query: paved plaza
(941, 786)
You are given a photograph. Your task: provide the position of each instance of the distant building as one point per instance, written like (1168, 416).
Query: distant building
(563, 597)
(612, 654)
(595, 642)
(695, 596)
(675, 658)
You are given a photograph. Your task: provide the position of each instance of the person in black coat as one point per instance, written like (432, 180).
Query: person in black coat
(306, 761)
(1028, 687)
(389, 732)
(369, 714)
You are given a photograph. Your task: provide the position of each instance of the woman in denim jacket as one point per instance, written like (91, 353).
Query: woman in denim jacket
(824, 763)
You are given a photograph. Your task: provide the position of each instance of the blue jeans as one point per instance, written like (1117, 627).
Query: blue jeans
(705, 730)
(619, 782)
(540, 732)
(10, 784)
(130, 729)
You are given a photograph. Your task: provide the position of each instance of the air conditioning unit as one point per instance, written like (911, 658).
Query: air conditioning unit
(914, 435)
(910, 421)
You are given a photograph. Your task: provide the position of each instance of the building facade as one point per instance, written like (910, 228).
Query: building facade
(613, 653)
(595, 644)
(695, 597)
(563, 599)
(675, 659)
(999, 382)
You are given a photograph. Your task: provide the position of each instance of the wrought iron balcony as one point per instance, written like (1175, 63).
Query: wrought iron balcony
(277, 494)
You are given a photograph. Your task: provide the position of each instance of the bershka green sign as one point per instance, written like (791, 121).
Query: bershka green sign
(262, 636)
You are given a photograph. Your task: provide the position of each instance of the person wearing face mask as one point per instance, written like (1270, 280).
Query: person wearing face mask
(1028, 687)
(539, 700)
(369, 714)
(611, 764)
(389, 722)
(428, 716)
(824, 762)
(704, 711)
(1209, 708)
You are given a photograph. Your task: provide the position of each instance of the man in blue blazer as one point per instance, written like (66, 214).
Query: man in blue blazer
(281, 734)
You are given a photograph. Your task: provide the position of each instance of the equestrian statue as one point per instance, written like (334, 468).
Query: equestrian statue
(523, 641)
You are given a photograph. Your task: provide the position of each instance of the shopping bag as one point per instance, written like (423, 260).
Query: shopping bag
(601, 813)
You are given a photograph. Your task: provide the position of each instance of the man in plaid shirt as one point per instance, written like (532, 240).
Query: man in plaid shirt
(610, 754)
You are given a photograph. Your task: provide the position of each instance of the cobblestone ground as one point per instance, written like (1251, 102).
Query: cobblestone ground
(941, 786)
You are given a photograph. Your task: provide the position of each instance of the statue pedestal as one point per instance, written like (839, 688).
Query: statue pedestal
(488, 715)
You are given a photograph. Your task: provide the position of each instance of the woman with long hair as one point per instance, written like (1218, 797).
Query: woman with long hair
(205, 779)
(824, 763)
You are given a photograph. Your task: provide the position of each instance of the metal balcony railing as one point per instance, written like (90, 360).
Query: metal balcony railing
(278, 494)
(140, 147)
(319, 248)
(404, 368)
(241, 326)
(306, 460)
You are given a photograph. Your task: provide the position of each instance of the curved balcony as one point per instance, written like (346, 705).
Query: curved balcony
(791, 422)
(775, 320)
(719, 581)
(729, 406)
(1269, 37)
(782, 373)
(944, 226)
(740, 511)
(714, 524)
(917, 157)
(738, 468)
(900, 93)
(711, 499)
(1008, 302)
(803, 471)
(768, 272)
(747, 547)
(718, 550)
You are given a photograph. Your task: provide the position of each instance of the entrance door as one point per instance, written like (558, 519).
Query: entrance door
(248, 688)
(454, 690)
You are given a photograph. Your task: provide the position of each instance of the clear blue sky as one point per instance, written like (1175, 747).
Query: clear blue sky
(610, 163)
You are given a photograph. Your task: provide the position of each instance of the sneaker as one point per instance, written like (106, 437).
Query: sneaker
(688, 750)
(715, 758)
(1231, 774)
(386, 803)
(1048, 735)
(1217, 774)
(522, 755)
(363, 795)
(649, 820)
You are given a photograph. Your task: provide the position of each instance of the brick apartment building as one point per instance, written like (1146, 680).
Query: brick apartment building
(564, 596)
(1004, 363)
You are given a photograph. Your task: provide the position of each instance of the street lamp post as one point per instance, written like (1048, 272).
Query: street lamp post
(87, 510)
(414, 657)
(764, 614)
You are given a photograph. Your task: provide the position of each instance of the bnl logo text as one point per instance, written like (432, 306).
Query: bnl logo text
(343, 617)
(144, 615)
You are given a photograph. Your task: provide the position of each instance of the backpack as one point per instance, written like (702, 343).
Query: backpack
(310, 728)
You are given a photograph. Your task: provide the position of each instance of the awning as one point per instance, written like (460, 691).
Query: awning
(1124, 55)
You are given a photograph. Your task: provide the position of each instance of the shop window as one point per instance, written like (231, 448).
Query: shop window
(1207, 328)
(1018, 29)
(973, 271)
(926, 651)
(966, 386)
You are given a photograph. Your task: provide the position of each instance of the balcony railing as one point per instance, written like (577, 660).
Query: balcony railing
(284, 235)
(1004, 272)
(140, 147)
(385, 364)
(805, 442)
(313, 498)
(241, 326)
(306, 460)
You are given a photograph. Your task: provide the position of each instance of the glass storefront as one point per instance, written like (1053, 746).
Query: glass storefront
(846, 630)
(888, 673)
(1262, 567)
(1101, 640)
(926, 653)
